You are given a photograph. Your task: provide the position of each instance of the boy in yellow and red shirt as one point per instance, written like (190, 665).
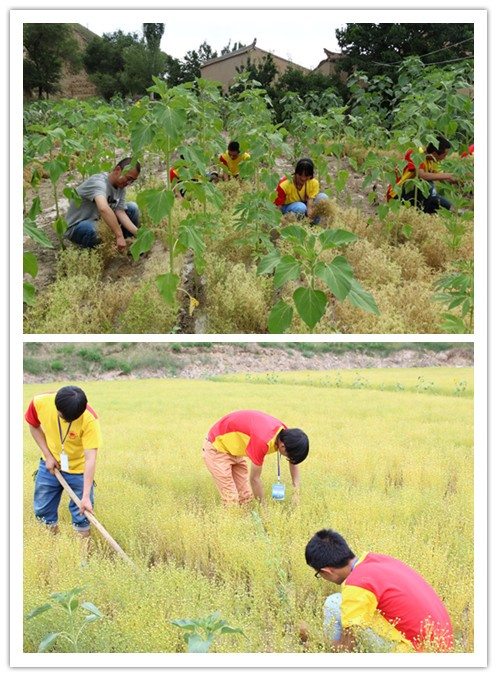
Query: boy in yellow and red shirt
(428, 171)
(67, 431)
(384, 604)
(231, 160)
(250, 434)
(300, 193)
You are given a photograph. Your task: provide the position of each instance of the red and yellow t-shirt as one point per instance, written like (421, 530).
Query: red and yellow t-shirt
(84, 432)
(232, 165)
(410, 172)
(386, 595)
(246, 433)
(288, 193)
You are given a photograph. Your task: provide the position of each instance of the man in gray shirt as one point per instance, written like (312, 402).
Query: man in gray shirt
(104, 195)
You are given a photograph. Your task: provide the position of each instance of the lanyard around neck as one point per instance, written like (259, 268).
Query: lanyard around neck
(63, 439)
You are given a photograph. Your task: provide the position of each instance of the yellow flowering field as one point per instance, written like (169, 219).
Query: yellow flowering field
(389, 468)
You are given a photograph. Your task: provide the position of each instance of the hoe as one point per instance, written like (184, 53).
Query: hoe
(93, 519)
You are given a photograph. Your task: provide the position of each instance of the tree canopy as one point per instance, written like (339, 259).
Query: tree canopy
(47, 47)
(376, 48)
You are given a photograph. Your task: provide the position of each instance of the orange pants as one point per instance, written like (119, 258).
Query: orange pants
(230, 474)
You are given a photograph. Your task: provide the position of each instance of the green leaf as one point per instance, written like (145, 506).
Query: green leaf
(190, 238)
(287, 269)
(295, 234)
(30, 264)
(143, 243)
(60, 226)
(31, 229)
(167, 285)
(280, 317)
(159, 203)
(92, 618)
(142, 134)
(336, 238)
(310, 304)
(28, 293)
(228, 629)
(382, 211)
(91, 607)
(171, 120)
(55, 169)
(197, 644)
(35, 209)
(362, 299)
(39, 610)
(268, 262)
(184, 623)
(337, 275)
(48, 641)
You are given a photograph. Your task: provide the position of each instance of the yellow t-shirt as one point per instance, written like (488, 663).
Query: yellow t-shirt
(288, 193)
(232, 165)
(84, 432)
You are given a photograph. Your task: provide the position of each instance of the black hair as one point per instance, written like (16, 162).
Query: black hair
(71, 402)
(296, 444)
(234, 145)
(305, 166)
(127, 161)
(443, 144)
(327, 549)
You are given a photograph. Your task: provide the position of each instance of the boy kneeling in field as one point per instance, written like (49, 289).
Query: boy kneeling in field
(427, 171)
(384, 605)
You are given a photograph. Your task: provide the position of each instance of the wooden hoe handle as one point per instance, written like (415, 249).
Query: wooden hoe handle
(92, 518)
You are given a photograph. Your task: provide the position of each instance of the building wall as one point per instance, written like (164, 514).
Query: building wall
(224, 70)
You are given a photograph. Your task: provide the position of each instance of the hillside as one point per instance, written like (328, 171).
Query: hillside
(44, 362)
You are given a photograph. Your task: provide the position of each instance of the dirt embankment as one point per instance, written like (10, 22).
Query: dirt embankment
(202, 362)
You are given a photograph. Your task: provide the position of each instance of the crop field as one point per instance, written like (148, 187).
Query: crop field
(224, 260)
(390, 468)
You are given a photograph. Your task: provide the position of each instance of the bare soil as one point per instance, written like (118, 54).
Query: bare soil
(203, 362)
(121, 265)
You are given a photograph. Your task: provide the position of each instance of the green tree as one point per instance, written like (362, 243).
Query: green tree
(143, 60)
(376, 48)
(105, 61)
(263, 72)
(153, 35)
(47, 47)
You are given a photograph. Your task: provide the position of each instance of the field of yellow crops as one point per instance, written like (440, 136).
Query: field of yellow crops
(390, 467)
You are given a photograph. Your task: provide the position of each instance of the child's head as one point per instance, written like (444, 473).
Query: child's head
(305, 167)
(440, 152)
(233, 149)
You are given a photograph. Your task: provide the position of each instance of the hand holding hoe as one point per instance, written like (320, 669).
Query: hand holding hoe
(92, 518)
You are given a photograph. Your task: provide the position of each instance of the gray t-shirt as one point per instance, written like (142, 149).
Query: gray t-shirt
(98, 184)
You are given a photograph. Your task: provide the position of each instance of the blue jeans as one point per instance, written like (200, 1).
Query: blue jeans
(300, 208)
(48, 492)
(85, 233)
(333, 626)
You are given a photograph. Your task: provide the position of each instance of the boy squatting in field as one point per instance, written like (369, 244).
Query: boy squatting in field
(231, 159)
(68, 433)
(251, 434)
(104, 195)
(428, 171)
(300, 193)
(384, 605)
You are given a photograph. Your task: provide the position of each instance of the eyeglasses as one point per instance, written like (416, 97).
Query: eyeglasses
(318, 574)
